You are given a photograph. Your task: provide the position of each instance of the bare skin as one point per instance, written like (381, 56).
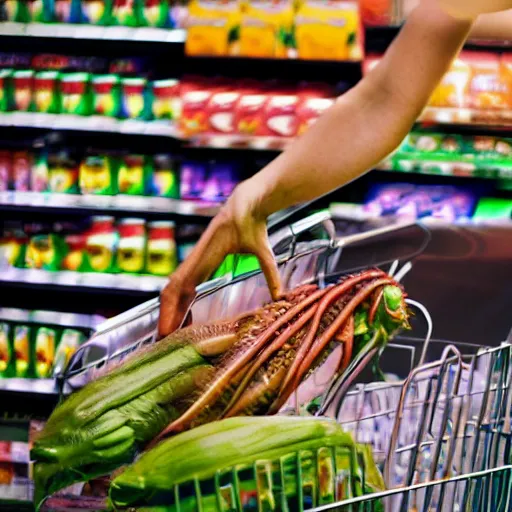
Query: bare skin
(363, 127)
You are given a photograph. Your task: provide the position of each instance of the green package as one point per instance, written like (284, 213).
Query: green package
(76, 94)
(46, 92)
(40, 11)
(63, 173)
(165, 99)
(17, 10)
(6, 350)
(45, 252)
(164, 180)
(23, 85)
(98, 175)
(134, 98)
(70, 340)
(23, 351)
(39, 178)
(133, 175)
(6, 90)
(96, 12)
(493, 208)
(101, 245)
(46, 340)
(106, 95)
(124, 12)
(153, 13)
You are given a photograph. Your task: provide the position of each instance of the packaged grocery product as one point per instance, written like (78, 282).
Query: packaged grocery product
(488, 88)
(98, 175)
(133, 101)
(75, 256)
(213, 27)
(6, 91)
(63, 170)
(432, 143)
(250, 112)
(69, 342)
(131, 251)
(222, 180)
(5, 170)
(101, 244)
(46, 92)
(22, 351)
(154, 13)
(67, 11)
(195, 96)
(503, 147)
(40, 176)
(45, 251)
(164, 179)
(76, 94)
(106, 95)
(280, 114)
(6, 350)
(328, 30)
(21, 170)
(481, 145)
(221, 111)
(192, 179)
(266, 28)
(133, 175)
(453, 88)
(161, 252)
(40, 11)
(16, 10)
(96, 12)
(309, 110)
(376, 12)
(166, 98)
(23, 83)
(124, 12)
(14, 248)
(46, 339)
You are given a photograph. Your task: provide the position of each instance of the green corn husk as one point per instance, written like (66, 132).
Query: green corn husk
(303, 461)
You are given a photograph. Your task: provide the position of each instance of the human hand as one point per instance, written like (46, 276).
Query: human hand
(238, 228)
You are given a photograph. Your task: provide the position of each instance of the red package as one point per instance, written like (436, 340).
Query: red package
(310, 109)
(5, 170)
(221, 110)
(280, 114)
(250, 110)
(195, 95)
(21, 170)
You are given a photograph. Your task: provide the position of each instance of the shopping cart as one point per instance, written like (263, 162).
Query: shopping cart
(441, 433)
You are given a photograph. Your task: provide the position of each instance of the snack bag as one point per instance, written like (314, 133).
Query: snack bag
(101, 245)
(22, 351)
(106, 95)
(45, 351)
(195, 96)
(161, 251)
(280, 114)
(6, 350)
(131, 252)
(328, 30)
(70, 340)
(213, 27)
(40, 177)
(222, 180)
(75, 257)
(40, 11)
(153, 13)
(67, 11)
(96, 12)
(6, 90)
(21, 170)
(63, 172)
(133, 175)
(46, 252)
(46, 92)
(98, 175)
(23, 82)
(17, 10)
(15, 246)
(250, 111)
(221, 111)
(133, 98)
(165, 101)
(76, 94)
(124, 12)
(192, 179)
(266, 28)
(5, 170)
(164, 179)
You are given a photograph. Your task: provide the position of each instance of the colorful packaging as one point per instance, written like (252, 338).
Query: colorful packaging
(22, 350)
(96, 12)
(101, 244)
(192, 179)
(40, 176)
(40, 11)
(250, 112)
(165, 99)
(328, 30)
(124, 12)
(98, 175)
(5, 170)
(15, 246)
(6, 350)
(266, 28)
(154, 13)
(70, 340)
(46, 92)
(194, 100)
(21, 170)
(133, 175)
(67, 11)
(46, 252)
(23, 82)
(134, 98)
(76, 94)
(280, 115)
(63, 172)
(75, 257)
(221, 111)
(222, 180)
(164, 179)
(107, 95)
(6, 90)
(453, 88)
(376, 13)
(46, 340)
(131, 251)
(17, 10)
(309, 110)
(161, 257)
(213, 27)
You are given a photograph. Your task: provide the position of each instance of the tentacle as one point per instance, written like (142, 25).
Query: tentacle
(375, 306)
(326, 302)
(346, 336)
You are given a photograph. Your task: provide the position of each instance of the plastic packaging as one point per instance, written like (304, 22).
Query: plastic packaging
(96, 12)
(76, 94)
(165, 99)
(133, 101)
(75, 258)
(131, 251)
(69, 342)
(193, 178)
(45, 251)
(46, 339)
(106, 95)
(133, 175)
(6, 350)
(47, 92)
(164, 179)
(98, 175)
(63, 172)
(161, 249)
(40, 176)
(23, 82)
(6, 91)
(101, 244)
(22, 351)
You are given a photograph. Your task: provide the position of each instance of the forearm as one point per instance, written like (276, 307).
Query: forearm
(368, 122)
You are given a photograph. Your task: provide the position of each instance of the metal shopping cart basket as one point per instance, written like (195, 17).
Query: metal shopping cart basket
(441, 435)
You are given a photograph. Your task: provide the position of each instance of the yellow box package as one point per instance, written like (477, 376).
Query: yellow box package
(266, 28)
(328, 30)
(213, 27)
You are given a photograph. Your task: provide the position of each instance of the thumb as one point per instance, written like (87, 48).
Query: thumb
(268, 265)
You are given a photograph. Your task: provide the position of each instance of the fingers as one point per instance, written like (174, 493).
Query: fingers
(269, 267)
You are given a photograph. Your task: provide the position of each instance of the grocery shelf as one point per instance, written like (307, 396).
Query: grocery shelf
(122, 204)
(73, 31)
(51, 317)
(499, 118)
(20, 398)
(39, 386)
(263, 143)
